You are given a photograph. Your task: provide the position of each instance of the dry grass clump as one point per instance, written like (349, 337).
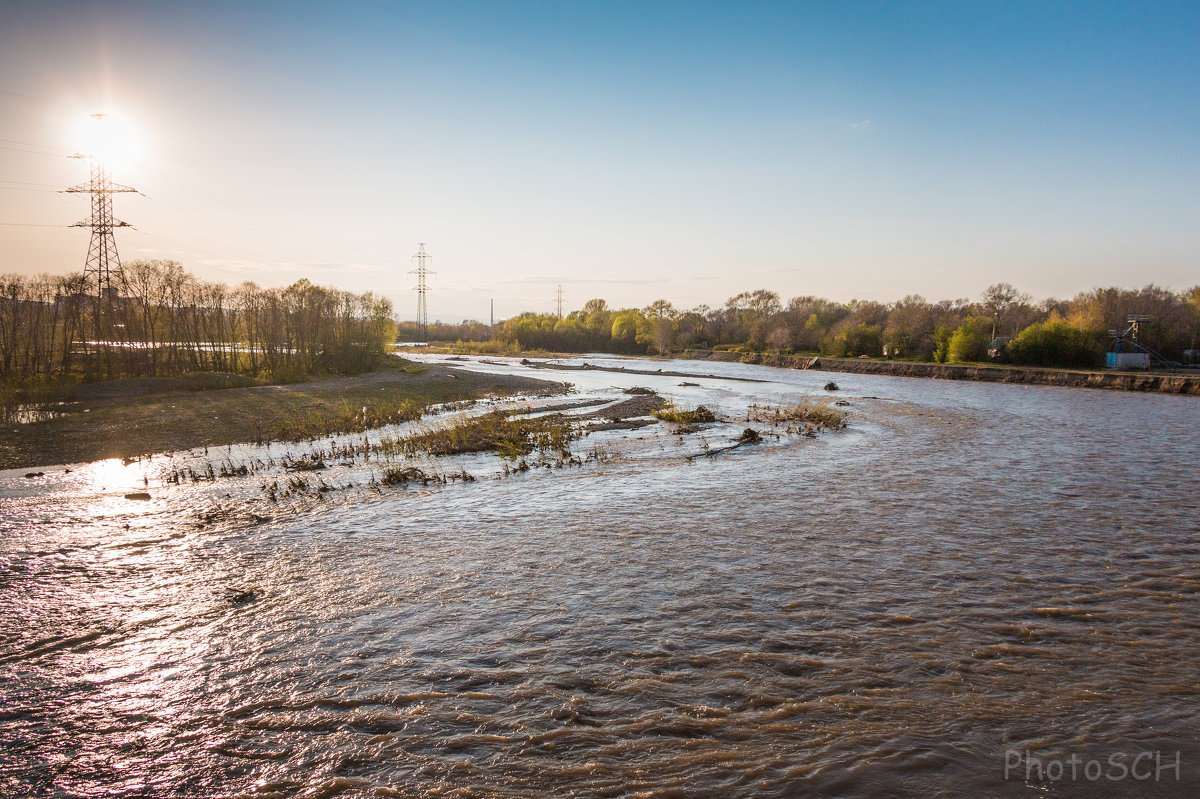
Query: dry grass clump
(670, 412)
(818, 414)
(494, 432)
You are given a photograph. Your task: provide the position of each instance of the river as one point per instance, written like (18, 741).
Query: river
(970, 584)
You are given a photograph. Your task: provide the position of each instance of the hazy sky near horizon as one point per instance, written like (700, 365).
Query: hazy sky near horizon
(627, 150)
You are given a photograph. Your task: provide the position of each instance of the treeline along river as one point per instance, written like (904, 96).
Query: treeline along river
(971, 583)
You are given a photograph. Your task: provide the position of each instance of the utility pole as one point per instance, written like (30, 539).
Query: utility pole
(102, 267)
(422, 259)
(558, 300)
(492, 314)
(103, 263)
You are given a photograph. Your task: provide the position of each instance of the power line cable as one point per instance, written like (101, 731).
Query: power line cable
(263, 239)
(194, 250)
(275, 224)
(241, 253)
(264, 236)
(31, 144)
(213, 218)
(34, 152)
(190, 234)
(32, 99)
(27, 183)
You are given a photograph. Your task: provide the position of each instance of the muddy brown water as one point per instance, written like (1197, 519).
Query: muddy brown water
(971, 583)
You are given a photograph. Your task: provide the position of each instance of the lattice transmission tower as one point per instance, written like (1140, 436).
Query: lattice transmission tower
(102, 264)
(422, 258)
(558, 300)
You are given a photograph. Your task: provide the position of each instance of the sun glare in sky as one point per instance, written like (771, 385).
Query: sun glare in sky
(108, 137)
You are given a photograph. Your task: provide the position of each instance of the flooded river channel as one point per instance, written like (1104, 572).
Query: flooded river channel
(971, 589)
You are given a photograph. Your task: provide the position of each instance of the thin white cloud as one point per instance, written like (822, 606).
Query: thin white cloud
(863, 125)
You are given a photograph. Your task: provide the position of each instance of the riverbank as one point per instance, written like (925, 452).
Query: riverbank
(1159, 382)
(1162, 382)
(588, 367)
(131, 418)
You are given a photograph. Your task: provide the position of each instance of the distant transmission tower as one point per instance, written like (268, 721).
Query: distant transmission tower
(102, 262)
(422, 270)
(558, 300)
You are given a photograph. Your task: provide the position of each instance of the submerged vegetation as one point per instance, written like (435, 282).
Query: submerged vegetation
(403, 475)
(504, 433)
(521, 437)
(499, 432)
(513, 435)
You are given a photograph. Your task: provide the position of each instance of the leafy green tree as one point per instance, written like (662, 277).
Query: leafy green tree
(596, 319)
(970, 341)
(941, 342)
(656, 330)
(624, 330)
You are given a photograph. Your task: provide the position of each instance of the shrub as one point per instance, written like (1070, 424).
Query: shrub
(1055, 342)
(862, 339)
(287, 373)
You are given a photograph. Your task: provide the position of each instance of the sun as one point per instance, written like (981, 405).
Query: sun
(109, 138)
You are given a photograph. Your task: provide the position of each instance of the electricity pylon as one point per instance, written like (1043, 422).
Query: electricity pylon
(102, 262)
(558, 300)
(422, 287)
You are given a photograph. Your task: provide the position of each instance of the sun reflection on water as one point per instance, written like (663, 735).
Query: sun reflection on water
(115, 475)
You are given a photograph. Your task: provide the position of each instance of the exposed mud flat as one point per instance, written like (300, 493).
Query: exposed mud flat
(629, 414)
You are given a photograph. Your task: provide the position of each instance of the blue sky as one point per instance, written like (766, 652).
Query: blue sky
(626, 150)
